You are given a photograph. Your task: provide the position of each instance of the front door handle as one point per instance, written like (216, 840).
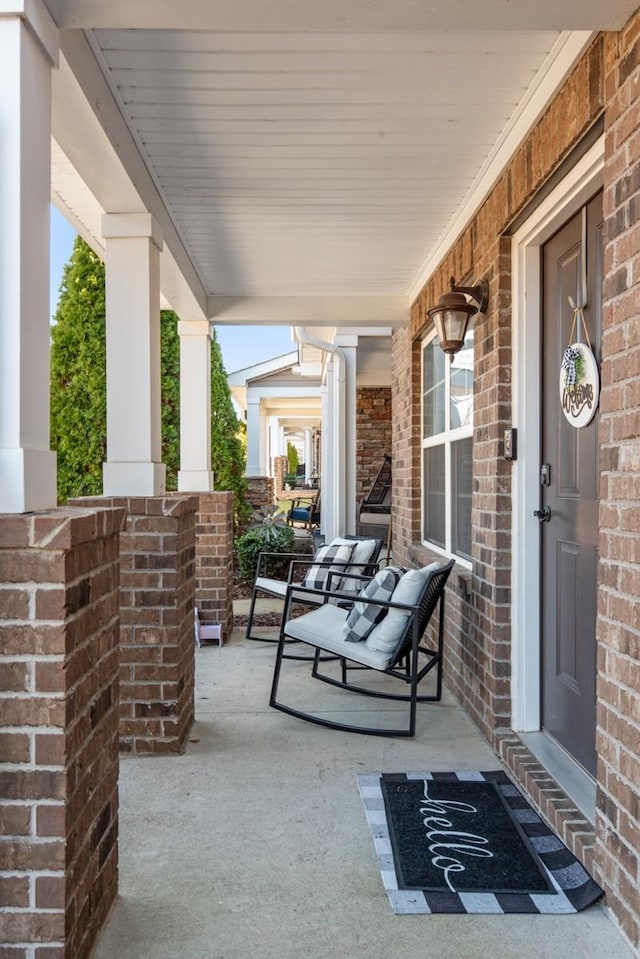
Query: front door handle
(544, 515)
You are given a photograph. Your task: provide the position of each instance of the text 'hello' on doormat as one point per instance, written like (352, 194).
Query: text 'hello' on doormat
(468, 842)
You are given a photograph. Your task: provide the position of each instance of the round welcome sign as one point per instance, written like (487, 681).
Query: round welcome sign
(579, 384)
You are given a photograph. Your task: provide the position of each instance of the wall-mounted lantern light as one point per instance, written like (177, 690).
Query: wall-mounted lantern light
(451, 313)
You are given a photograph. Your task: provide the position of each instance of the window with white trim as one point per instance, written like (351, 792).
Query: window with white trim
(447, 447)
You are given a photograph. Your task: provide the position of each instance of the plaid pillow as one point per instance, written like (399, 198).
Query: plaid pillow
(364, 616)
(316, 578)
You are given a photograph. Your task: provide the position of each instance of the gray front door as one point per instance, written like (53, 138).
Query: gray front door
(569, 488)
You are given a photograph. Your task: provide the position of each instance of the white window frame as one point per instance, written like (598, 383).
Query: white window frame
(447, 438)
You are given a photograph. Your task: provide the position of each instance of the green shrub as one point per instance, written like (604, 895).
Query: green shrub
(273, 539)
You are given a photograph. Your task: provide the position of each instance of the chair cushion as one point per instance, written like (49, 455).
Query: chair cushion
(316, 578)
(300, 513)
(278, 587)
(323, 628)
(364, 616)
(387, 634)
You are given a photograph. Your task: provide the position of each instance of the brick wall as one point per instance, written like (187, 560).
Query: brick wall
(214, 560)
(478, 646)
(157, 557)
(477, 657)
(373, 435)
(618, 630)
(59, 575)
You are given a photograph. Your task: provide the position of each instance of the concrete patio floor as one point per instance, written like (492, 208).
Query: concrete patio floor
(254, 843)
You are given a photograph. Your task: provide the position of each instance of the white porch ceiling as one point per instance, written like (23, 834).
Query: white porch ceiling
(313, 160)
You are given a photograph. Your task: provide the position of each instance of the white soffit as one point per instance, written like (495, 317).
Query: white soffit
(309, 164)
(325, 165)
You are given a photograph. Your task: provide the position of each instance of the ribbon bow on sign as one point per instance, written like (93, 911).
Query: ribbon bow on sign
(569, 358)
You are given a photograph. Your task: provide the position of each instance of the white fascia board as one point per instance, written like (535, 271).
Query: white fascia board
(92, 133)
(379, 331)
(77, 204)
(308, 370)
(282, 392)
(561, 59)
(239, 394)
(387, 311)
(38, 18)
(344, 16)
(297, 422)
(283, 362)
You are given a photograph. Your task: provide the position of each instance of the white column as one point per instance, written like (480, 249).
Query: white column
(308, 456)
(253, 438)
(328, 519)
(274, 443)
(348, 345)
(133, 466)
(195, 406)
(28, 49)
(264, 444)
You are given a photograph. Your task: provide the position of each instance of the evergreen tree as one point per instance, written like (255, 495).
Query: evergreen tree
(78, 376)
(227, 452)
(170, 390)
(78, 380)
(78, 391)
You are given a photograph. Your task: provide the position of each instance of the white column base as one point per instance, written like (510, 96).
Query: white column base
(27, 480)
(195, 481)
(134, 479)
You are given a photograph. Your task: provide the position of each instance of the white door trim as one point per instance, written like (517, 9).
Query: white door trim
(580, 184)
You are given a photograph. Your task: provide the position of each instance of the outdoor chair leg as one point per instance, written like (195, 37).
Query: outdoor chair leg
(412, 677)
(271, 639)
(248, 634)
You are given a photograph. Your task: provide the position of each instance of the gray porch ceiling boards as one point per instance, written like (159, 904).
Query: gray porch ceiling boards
(318, 154)
(316, 164)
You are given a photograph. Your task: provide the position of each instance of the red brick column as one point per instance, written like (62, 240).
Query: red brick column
(260, 491)
(59, 575)
(214, 560)
(280, 468)
(157, 556)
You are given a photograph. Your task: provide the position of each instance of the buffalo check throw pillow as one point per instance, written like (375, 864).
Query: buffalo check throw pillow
(317, 576)
(364, 616)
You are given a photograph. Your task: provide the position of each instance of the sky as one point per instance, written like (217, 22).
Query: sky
(241, 345)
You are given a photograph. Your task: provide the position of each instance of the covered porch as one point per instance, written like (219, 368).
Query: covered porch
(255, 842)
(327, 169)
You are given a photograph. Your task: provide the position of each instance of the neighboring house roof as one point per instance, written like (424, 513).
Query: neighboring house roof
(283, 386)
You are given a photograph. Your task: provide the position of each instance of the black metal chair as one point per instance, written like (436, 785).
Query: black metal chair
(409, 661)
(363, 562)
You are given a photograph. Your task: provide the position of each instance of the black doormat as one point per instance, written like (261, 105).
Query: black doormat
(468, 842)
